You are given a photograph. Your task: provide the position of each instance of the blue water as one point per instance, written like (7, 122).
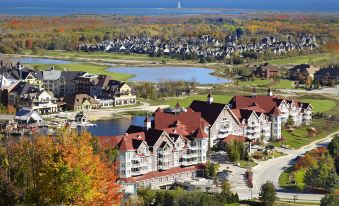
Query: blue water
(64, 7)
(115, 126)
(48, 11)
(29, 60)
(156, 74)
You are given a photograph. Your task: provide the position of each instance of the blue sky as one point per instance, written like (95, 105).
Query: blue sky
(309, 5)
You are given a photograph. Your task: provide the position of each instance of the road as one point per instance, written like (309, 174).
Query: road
(331, 91)
(271, 170)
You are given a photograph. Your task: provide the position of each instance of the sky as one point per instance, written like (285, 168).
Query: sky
(308, 5)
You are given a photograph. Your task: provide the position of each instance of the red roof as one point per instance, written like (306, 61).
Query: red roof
(155, 174)
(190, 121)
(275, 111)
(200, 134)
(125, 145)
(159, 110)
(232, 137)
(266, 103)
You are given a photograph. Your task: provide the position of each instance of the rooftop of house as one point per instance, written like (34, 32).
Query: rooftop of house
(188, 119)
(78, 99)
(209, 111)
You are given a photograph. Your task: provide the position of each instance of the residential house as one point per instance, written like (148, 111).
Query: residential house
(328, 74)
(81, 102)
(302, 72)
(28, 117)
(266, 71)
(12, 95)
(111, 92)
(43, 102)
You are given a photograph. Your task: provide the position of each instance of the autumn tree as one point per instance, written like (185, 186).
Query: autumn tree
(57, 170)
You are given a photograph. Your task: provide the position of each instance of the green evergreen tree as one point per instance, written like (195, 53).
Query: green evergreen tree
(268, 194)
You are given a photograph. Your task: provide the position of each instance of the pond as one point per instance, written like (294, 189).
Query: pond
(30, 60)
(147, 74)
(156, 74)
(115, 126)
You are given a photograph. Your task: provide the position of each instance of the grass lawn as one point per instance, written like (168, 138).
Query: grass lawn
(186, 101)
(281, 84)
(85, 67)
(321, 105)
(244, 163)
(298, 137)
(312, 58)
(284, 181)
(95, 55)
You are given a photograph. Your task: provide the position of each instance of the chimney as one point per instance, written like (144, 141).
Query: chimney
(269, 92)
(210, 98)
(254, 92)
(177, 108)
(147, 123)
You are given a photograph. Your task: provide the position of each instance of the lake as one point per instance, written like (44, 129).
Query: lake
(55, 11)
(29, 60)
(115, 126)
(156, 74)
(148, 74)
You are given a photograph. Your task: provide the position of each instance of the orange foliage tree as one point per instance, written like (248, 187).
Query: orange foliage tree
(57, 170)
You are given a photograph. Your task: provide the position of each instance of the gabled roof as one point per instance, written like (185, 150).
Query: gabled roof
(78, 99)
(275, 111)
(265, 102)
(242, 114)
(210, 112)
(188, 121)
(200, 134)
(24, 88)
(24, 114)
(125, 145)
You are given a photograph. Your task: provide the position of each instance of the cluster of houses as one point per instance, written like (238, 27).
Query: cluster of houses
(51, 91)
(203, 47)
(300, 73)
(173, 143)
(324, 75)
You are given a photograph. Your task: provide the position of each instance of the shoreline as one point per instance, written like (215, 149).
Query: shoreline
(215, 67)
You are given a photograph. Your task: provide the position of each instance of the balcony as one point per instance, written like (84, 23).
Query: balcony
(194, 148)
(188, 163)
(139, 165)
(163, 167)
(138, 172)
(190, 155)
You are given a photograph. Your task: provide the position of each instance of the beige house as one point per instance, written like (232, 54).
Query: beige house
(111, 92)
(302, 72)
(81, 102)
